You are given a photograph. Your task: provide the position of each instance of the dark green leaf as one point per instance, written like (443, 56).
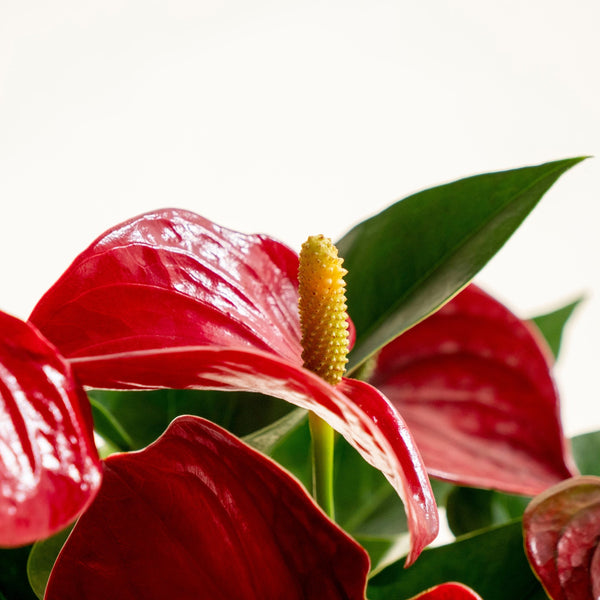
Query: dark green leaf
(471, 509)
(441, 490)
(265, 439)
(586, 450)
(408, 260)
(138, 418)
(42, 558)
(552, 325)
(109, 428)
(13, 574)
(365, 503)
(493, 563)
(377, 549)
(293, 452)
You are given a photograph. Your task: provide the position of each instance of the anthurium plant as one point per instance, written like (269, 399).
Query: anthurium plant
(193, 412)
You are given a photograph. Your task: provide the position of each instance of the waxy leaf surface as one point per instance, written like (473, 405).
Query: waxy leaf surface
(173, 278)
(201, 515)
(409, 259)
(49, 468)
(355, 409)
(562, 531)
(171, 300)
(473, 383)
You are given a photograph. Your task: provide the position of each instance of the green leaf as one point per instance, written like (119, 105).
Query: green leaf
(42, 558)
(493, 563)
(109, 428)
(265, 439)
(130, 420)
(13, 574)
(586, 450)
(471, 509)
(408, 260)
(293, 452)
(366, 505)
(552, 325)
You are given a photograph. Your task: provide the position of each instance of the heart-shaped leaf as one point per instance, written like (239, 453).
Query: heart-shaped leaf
(199, 514)
(409, 259)
(49, 467)
(172, 278)
(562, 533)
(474, 385)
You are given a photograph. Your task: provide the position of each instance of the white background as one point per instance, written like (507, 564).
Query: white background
(300, 117)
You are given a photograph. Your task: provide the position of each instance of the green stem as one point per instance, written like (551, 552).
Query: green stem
(322, 457)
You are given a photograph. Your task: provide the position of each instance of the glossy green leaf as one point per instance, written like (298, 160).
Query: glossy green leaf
(493, 563)
(42, 558)
(586, 450)
(552, 325)
(471, 509)
(409, 259)
(13, 574)
(137, 418)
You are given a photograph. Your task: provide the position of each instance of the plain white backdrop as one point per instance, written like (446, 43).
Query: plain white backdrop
(293, 118)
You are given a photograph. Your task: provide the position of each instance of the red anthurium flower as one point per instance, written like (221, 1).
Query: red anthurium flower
(448, 591)
(473, 383)
(562, 534)
(49, 467)
(169, 299)
(199, 514)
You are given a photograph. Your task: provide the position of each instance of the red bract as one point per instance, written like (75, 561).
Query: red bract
(562, 533)
(171, 300)
(49, 467)
(473, 383)
(198, 514)
(448, 591)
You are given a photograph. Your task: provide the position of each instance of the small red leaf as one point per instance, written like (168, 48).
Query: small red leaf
(448, 591)
(562, 533)
(474, 385)
(198, 514)
(49, 467)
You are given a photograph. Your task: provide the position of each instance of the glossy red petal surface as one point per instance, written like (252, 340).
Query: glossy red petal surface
(198, 514)
(562, 533)
(473, 383)
(448, 591)
(355, 409)
(49, 467)
(173, 278)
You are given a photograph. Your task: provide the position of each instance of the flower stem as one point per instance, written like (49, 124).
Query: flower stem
(322, 457)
